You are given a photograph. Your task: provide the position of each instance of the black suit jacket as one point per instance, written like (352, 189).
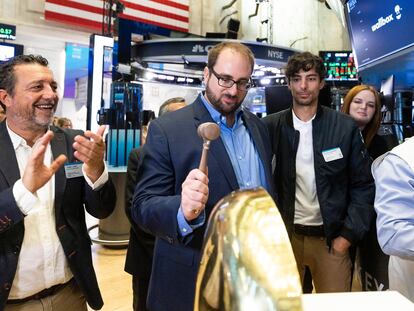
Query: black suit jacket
(138, 260)
(172, 149)
(72, 196)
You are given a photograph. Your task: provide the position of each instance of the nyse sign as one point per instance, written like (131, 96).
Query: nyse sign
(275, 54)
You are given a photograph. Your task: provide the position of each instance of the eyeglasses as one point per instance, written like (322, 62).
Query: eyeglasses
(242, 85)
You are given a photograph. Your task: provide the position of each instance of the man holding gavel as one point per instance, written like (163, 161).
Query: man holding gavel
(174, 196)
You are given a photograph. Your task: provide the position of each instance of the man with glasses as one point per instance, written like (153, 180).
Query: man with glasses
(173, 199)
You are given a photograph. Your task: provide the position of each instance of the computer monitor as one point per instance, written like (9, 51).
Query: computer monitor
(9, 50)
(379, 29)
(340, 65)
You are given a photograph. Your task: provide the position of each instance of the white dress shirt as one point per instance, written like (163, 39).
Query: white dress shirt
(307, 209)
(42, 262)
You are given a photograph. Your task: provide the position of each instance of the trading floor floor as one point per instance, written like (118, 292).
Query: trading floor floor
(114, 282)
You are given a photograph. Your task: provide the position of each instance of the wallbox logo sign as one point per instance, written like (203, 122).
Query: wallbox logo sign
(383, 21)
(397, 10)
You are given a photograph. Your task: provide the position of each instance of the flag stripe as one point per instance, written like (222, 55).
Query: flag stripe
(177, 5)
(74, 13)
(139, 11)
(74, 20)
(172, 14)
(50, 4)
(165, 20)
(157, 9)
(156, 23)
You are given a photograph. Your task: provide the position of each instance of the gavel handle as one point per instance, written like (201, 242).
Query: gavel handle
(204, 156)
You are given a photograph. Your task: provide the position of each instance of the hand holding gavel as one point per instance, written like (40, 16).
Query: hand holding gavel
(195, 188)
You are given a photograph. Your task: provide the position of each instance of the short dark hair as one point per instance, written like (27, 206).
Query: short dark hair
(304, 61)
(7, 77)
(164, 106)
(215, 51)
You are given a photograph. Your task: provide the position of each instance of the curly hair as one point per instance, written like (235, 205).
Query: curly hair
(304, 61)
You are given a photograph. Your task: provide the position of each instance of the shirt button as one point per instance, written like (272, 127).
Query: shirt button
(184, 229)
(240, 157)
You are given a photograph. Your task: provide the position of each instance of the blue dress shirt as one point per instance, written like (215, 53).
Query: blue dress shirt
(247, 165)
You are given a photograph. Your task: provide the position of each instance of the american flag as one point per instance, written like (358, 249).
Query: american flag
(171, 14)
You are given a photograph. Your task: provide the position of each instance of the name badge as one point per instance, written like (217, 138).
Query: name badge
(332, 154)
(73, 170)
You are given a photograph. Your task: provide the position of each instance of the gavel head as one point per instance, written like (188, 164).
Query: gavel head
(208, 131)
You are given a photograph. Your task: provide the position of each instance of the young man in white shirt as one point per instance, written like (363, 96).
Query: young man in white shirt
(322, 177)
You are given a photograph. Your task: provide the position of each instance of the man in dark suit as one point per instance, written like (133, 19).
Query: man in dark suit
(173, 198)
(45, 254)
(141, 244)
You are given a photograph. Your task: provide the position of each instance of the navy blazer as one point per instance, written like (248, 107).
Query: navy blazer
(72, 196)
(172, 150)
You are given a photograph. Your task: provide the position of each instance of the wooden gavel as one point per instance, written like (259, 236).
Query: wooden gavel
(207, 131)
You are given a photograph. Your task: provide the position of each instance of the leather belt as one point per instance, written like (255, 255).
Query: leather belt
(42, 294)
(309, 230)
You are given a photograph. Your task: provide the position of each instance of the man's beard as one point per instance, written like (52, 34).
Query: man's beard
(221, 107)
(32, 121)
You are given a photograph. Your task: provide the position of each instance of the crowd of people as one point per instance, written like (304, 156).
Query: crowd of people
(315, 162)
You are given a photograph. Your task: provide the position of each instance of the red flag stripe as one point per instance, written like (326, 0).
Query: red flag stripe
(166, 2)
(73, 20)
(77, 5)
(157, 12)
(146, 21)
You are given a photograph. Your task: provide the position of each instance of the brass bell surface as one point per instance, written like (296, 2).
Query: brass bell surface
(247, 261)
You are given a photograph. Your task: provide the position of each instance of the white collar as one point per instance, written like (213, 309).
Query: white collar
(16, 139)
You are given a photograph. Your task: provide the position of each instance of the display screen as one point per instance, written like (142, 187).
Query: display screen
(378, 29)
(8, 50)
(7, 32)
(340, 65)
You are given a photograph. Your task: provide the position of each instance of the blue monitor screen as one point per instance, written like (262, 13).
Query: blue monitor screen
(379, 28)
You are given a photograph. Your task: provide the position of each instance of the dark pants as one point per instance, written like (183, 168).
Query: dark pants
(140, 293)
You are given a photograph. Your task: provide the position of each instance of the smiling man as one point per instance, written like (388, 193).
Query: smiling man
(45, 253)
(322, 177)
(173, 199)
